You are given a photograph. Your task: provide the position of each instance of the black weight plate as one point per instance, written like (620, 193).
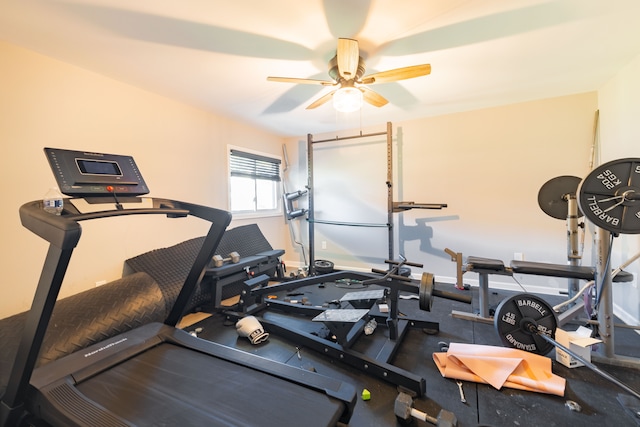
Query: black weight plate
(519, 317)
(426, 291)
(552, 196)
(610, 196)
(323, 266)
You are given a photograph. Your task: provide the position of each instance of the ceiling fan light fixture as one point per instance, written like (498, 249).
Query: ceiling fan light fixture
(347, 99)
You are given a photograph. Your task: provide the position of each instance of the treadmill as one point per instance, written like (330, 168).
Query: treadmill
(155, 374)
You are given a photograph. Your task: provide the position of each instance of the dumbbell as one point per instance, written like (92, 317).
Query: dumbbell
(218, 261)
(404, 410)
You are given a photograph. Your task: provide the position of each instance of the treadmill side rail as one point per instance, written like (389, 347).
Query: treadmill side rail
(57, 381)
(330, 386)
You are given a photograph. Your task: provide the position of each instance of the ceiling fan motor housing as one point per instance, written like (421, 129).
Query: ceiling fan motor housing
(334, 73)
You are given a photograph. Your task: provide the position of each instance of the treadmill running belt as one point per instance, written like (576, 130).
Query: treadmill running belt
(172, 386)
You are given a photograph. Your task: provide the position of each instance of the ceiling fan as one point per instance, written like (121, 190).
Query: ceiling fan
(347, 68)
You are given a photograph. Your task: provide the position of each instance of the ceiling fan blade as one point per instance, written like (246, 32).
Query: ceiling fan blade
(485, 28)
(397, 74)
(372, 97)
(348, 55)
(322, 100)
(294, 97)
(346, 17)
(301, 81)
(160, 29)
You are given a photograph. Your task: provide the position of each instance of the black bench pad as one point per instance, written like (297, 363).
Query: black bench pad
(496, 266)
(478, 263)
(560, 270)
(555, 270)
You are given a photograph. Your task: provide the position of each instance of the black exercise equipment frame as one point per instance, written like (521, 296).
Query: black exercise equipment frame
(392, 207)
(618, 184)
(617, 213)
(253, 302)
(378, 366)
(63, 233)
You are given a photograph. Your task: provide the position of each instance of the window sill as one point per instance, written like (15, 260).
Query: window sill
(251, 215)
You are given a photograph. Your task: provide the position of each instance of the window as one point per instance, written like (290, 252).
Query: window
(254, 183)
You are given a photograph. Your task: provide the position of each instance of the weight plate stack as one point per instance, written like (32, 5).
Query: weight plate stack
(427, 283)
(322, 266)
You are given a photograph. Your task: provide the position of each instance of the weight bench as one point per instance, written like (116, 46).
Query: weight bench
(487, 266)
(170, 266)
(257, 257)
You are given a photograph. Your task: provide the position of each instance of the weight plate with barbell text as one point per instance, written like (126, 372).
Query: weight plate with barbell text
(609, 196)
(519, 320)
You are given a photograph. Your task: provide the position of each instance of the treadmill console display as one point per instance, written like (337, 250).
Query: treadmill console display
(98, 167)
(86, 174)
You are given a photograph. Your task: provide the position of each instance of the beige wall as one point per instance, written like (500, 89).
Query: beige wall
(487, 165)
(180, 150)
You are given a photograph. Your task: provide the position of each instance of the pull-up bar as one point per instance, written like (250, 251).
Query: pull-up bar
(350, 224)
(341, 138)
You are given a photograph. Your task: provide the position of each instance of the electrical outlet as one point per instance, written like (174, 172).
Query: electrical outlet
(324, 244)
(518, 256)
(100, 283)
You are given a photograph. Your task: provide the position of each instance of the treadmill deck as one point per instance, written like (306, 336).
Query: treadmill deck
(158, 375)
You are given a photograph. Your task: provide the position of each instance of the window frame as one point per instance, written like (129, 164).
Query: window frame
(257, 213)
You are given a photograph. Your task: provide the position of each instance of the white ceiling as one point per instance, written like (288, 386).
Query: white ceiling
(217, 54)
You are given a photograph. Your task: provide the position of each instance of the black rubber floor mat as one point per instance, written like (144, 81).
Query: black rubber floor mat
(86, 318)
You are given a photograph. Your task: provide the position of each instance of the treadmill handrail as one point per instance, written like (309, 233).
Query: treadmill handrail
(59, 230)
(63, 233)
